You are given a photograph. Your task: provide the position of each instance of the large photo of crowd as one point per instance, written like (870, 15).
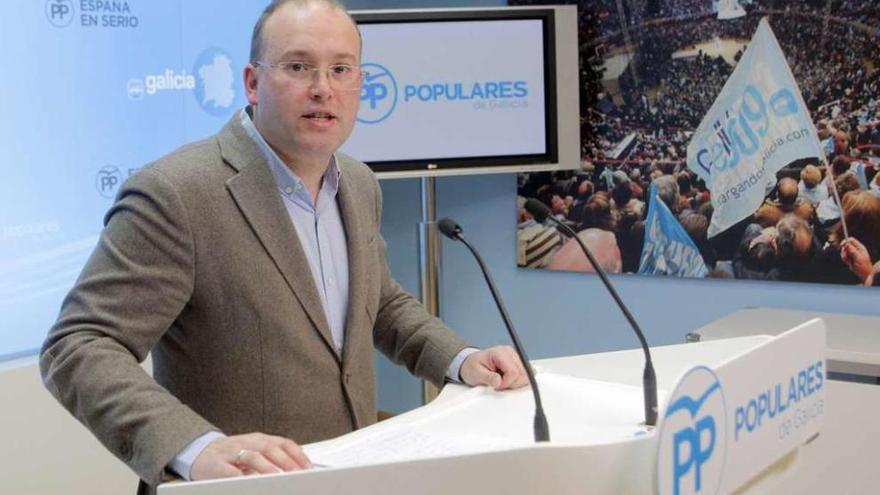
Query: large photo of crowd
(650, 71)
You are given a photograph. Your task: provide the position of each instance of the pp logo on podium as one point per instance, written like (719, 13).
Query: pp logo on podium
(693, 437)
(378, 94)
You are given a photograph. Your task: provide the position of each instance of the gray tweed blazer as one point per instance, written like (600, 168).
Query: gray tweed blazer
(200, 264)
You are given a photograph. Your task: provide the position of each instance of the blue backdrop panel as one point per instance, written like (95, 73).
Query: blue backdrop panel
(80, 119)
(215, 44)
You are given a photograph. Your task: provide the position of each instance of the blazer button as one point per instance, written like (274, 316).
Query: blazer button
(347, 378)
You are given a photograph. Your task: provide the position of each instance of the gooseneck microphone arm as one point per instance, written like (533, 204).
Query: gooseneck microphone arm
(453, 231)
(649, 379)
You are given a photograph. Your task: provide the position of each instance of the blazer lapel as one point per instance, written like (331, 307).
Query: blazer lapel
(254, 191)
(357, 259)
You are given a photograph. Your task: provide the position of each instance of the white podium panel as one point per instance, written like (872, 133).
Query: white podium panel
(724, 425)
(472, 440)
(551, 469)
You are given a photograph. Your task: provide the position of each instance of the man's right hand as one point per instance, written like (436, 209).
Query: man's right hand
(253, 453)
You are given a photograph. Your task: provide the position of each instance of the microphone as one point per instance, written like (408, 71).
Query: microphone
(649, 379)
(453, 231)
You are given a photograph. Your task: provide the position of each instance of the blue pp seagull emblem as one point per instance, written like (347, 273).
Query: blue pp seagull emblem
(691, 405)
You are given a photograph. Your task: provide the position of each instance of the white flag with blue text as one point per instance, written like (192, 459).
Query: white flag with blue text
(758, 124)
(668, 249)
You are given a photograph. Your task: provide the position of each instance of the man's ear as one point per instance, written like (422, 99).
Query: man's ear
(251, 82)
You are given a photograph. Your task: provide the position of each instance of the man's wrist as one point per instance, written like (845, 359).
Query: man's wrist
(453, 373)
(183, 462)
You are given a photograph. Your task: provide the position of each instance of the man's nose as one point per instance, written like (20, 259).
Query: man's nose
(320, 87)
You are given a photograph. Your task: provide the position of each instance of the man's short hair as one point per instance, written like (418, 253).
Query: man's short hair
(621, 194)
(811, 175)
(584, 189)
(761, 257)
(840, 165)
(787, 191)
(861, 210)
(695, 225)
(846, 183)
(667, 190)
(257, 35)
(596, 213)
(795, 237)
(684, 182)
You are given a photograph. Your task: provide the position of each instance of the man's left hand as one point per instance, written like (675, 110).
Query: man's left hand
(498, 367)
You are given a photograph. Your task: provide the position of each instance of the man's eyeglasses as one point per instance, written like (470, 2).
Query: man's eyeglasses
(340, 76)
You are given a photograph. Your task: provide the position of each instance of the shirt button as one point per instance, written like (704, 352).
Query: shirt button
(299, 186)
(330, 280)
(288, 189)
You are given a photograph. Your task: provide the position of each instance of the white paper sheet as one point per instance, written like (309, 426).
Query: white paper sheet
(400, 444)
(578, 411)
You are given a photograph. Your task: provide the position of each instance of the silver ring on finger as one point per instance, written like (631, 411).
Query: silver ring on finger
(240, 455)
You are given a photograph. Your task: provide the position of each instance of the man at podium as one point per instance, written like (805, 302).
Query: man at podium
(251, 266)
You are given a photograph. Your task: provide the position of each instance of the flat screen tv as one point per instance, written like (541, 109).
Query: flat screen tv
(468, 91)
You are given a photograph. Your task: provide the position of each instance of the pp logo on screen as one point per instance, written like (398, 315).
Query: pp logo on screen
(215, 86)
(59, 12)
(693, 437)
(107, 181)
(378, 94)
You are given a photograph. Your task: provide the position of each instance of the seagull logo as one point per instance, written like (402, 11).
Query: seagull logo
(693, 436)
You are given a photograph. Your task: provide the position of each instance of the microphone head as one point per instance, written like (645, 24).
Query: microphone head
(538, 209)
(449, 228)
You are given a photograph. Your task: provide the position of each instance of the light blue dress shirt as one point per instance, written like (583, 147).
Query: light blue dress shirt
(321, 233)
(319, 229)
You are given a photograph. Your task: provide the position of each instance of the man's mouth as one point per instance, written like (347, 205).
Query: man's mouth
(320, 116)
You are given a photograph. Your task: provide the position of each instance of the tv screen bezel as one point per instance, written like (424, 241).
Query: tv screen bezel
(471, 163)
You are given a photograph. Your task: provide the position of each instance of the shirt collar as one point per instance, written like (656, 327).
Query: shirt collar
(289, 184)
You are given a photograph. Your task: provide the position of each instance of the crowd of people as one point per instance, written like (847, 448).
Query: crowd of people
(865, 12)
(796, 234)
(673, 94)
(636, 135)
(683, 89)
(662, 94)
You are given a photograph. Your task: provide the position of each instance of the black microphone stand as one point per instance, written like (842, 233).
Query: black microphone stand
(649, 378)
(453, 231)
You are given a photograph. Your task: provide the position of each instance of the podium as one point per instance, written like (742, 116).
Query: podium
(736, 414)
(853, 341)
